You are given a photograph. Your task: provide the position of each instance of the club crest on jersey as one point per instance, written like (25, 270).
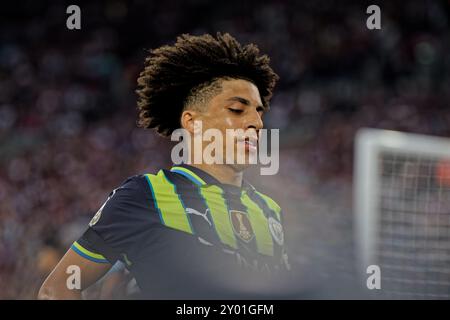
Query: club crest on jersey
(241, 225)
(99, 212)
(276, 230)
(96, 217)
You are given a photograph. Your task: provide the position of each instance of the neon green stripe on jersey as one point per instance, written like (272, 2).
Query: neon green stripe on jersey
(218, 208)
(259, 224)
(190, 174)
(168, 203)
(271, 204)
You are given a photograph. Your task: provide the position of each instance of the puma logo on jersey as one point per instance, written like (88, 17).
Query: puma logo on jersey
(197, 213)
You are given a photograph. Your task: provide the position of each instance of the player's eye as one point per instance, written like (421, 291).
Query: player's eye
(236, 110)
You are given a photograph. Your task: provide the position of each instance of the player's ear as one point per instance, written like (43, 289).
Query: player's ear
(187, 120)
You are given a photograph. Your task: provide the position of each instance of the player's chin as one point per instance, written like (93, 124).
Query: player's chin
(242, 165)
(242, 159)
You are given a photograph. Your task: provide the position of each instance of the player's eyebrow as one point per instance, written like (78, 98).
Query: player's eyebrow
(245, 102)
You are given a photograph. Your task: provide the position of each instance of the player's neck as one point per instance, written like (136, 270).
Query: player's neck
(225, 174)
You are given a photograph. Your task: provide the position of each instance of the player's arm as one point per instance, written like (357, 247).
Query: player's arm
(55, 286)
(114, 284)
(124, 212)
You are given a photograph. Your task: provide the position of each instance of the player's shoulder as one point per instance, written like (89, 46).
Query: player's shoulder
(131, 190)
(141, 182)
(269, 201)
(147, 183)
(162, 181)
(129, 200)
(135, 182)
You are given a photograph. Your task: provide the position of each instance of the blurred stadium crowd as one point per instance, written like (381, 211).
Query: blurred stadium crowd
(68, 112)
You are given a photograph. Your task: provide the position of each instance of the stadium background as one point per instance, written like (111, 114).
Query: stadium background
(68, 112)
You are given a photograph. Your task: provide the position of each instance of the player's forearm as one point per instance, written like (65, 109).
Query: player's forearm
(54, 292)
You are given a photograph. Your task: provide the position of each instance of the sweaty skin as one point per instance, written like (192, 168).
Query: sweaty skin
(237, 106)
(55, 286)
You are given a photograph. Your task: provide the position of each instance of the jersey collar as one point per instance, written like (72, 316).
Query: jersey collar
(201, 178)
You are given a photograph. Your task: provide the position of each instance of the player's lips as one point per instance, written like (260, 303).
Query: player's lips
(250, 144)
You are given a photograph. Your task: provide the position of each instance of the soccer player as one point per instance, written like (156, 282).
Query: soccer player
(192, 231)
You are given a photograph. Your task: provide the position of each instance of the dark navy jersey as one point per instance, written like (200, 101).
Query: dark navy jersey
(183, 234)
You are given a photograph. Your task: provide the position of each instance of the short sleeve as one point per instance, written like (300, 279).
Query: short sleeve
(117, 229)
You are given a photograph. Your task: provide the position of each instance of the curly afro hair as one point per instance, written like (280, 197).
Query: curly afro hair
(172, 73)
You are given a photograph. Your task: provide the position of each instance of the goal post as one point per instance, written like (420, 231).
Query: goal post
(402, 211)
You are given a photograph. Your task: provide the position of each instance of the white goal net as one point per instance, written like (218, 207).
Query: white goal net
(402, 212)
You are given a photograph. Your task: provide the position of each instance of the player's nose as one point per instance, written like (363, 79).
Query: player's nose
(254, 120)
